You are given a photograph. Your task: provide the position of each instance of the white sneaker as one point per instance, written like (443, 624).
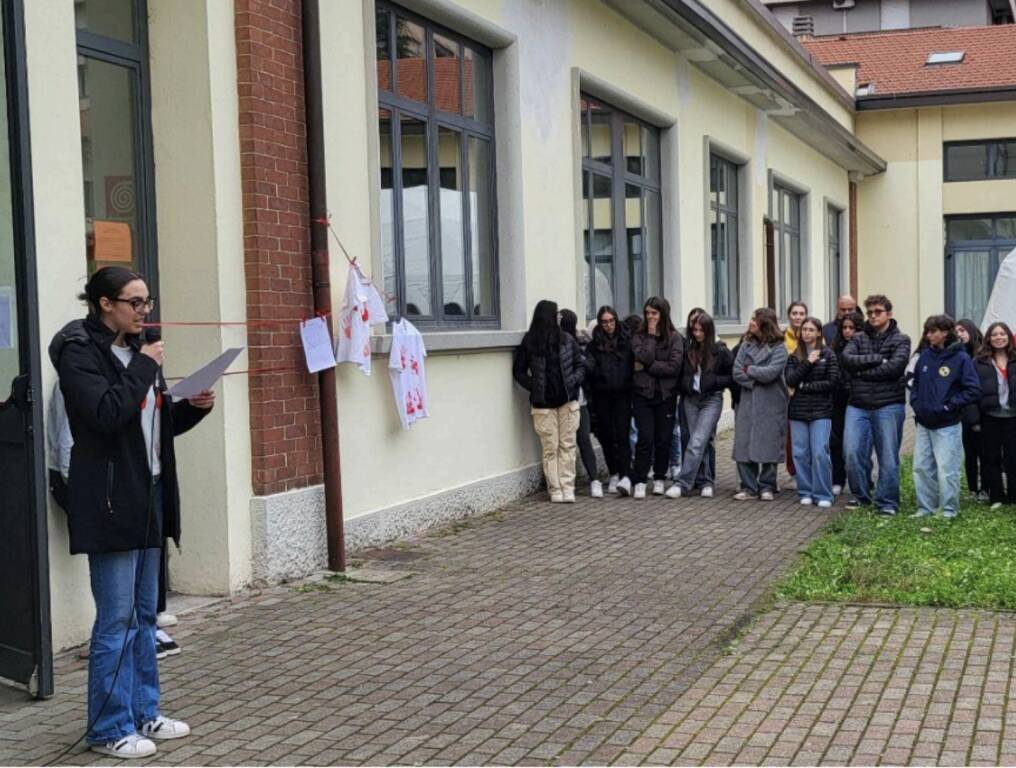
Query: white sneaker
(556, 498)
(612, 484)
(596, 489)
(674, 491)
(164, 728)
(837, 490)
(824, 504)
(806, 501)
(996, 505)
(640, 490)
(128, 747)
(164, 620)
(707, 491)
(657, 487)
(569, 497)
(766, 495)
(624, 487)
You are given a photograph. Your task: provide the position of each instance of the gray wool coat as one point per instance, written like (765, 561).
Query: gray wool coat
(760, 425)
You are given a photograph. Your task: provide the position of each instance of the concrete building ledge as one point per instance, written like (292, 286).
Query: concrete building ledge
(455, 341)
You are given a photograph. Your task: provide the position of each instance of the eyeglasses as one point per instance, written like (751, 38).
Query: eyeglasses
(138, 304)
(876, 312)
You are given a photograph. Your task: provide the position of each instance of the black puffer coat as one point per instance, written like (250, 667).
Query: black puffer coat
(877, 364)
(814, 386)
(657, 365)
(530, 369)
(612, 365)
(989, 386)
(721, 376)
(110, 481)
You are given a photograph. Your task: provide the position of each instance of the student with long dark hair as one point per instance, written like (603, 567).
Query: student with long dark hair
(996, 370)
(569, 324)
(548, 364)
(681, 431)
(658, 350)
(123, 500)
(944, 384)
(612, 370)
(760, 421)
(796, 313)
(971, 338)
(707, 371)
(846, 327)
(812, 375)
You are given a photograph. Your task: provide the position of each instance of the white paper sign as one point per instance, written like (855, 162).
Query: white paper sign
(317, 345)
(205, 377)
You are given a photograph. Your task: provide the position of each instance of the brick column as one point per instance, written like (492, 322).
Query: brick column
(284, 408)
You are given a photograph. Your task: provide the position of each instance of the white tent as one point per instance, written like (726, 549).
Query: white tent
(1002, 304)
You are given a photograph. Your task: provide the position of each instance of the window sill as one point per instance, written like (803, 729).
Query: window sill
(455, 342)
(731, 329)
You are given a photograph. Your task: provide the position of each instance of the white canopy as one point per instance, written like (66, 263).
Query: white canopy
(1002, 304)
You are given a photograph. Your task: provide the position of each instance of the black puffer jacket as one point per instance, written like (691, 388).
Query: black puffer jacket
(110, 481)
(657, 365)
(716, 380)
(530, 369)
(612, 365)
(814, 386)
(989, 386)
(877, 364)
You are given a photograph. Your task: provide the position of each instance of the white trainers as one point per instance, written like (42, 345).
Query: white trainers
(824, 504)
(164, 620)
(744, 496)
(707, 491)
(837, 490)
(624, 487)
(568, 497)
(596, 489)
(657, 487)
(806, 501)
(640, 490)
(612, 483)
(128, 748)
(163, 728)
(674, 491)
(556, 498)
(766, 495)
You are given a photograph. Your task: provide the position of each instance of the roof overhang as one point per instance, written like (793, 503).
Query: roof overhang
(689, 27)
(936, 99)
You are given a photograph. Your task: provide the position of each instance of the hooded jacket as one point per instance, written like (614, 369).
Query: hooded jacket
(110, 483)
(877, 364)
(814, 385)
(612, 366)
(713, 381)
(944, 383)
(530, 369)
(986, 372)
(658, 368)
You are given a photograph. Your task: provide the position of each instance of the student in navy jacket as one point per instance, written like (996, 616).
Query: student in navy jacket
(945, 383)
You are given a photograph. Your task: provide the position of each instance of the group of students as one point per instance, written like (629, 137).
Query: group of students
(821, 398)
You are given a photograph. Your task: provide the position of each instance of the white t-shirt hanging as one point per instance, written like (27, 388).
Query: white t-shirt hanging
(362, 308)
(406, 367)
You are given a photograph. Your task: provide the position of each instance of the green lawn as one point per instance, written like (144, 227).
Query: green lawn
(969, 561)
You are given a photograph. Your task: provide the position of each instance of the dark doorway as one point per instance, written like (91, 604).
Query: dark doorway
(25, 642)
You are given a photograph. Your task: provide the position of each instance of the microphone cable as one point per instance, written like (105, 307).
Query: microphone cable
(137, 581)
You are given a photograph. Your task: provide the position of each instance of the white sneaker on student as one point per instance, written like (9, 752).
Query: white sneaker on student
(164, 620)
(837, 490)
(569, 497)
(640, 490)
(806, 501)
(824, 504)
(556, 498)
(164, 728)
(128, 747)
(596, 489)
(657, 487)
(674, 491)
(624, 487)
(707, 491)
(766, 496)
(612, 483)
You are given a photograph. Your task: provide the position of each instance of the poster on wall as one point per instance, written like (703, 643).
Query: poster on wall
(6, 317)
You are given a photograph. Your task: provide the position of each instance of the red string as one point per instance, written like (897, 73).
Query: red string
(228, 323)
(326, 221)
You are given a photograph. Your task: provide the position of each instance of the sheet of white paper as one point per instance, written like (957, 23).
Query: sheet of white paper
(205, 377)
(6, 317)
(317, 345)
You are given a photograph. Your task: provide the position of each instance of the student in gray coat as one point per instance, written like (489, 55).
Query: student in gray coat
(760, 423)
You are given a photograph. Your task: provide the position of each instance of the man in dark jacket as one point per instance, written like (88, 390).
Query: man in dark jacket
(944, 384)
(876, 361)
(845, 305)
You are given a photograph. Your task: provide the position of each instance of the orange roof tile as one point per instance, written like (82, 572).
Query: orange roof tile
(894, 62)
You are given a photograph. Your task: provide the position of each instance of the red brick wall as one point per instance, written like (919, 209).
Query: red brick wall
(284, 410)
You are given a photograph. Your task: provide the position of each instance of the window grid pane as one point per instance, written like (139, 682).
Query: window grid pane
(975, 161)
(724, 237)
(976, 247)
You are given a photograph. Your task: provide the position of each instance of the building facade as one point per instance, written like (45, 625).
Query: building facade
(837, 17)
(478, 156)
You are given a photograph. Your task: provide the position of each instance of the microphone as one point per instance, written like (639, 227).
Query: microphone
(151, 335)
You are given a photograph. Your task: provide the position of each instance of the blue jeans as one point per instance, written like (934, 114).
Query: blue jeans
(883, 429)
(122, 581)
(812, 459)
(938, 458)
(702, 413)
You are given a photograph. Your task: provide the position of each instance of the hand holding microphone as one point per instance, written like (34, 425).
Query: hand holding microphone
(154, 346)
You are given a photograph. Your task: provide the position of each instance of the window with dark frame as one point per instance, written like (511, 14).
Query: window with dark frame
(622, 209)
(114, 87)
(438, 209)
(835, 254)
(723, 231)
(980, 160)
(975, 246)
(787, 227)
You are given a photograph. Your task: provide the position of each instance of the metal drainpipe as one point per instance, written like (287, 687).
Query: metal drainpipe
(321, 279)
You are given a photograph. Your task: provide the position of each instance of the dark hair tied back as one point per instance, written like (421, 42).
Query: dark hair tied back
(106, 283)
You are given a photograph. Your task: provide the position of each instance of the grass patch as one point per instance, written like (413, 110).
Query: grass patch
(966, 562)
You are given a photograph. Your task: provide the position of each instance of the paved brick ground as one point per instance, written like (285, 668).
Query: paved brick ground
(544, 633)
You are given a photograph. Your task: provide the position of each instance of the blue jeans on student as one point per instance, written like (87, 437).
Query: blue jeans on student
(938, 458)
(117, 578)
(881, 428)
(812, 459)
